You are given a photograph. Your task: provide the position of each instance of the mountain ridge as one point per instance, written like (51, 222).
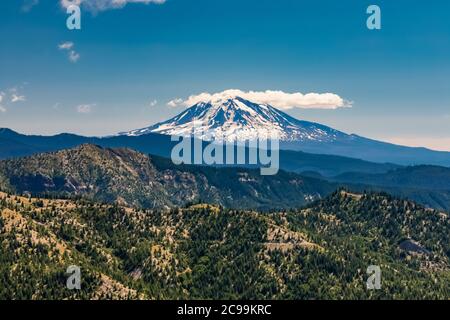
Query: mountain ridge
(130, 177)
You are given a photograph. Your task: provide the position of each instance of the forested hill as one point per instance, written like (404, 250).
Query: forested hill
(131, 178)
(206, 252)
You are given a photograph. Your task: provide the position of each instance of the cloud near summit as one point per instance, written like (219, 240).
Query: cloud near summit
(278, 99)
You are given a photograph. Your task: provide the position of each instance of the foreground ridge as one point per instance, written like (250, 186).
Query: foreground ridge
(320, 252)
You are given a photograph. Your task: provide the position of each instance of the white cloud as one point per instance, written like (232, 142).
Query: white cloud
(2, 109)
(72, 54)
(28, 5)
(17, 98)
(176, 103)
(102, 5)
(9, 96)
(153, 103)
(66, 45)
(85, 108)
(278, 99)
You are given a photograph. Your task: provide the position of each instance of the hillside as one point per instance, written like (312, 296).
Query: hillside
(419, 177)
(428, 185)
(205, 252)
(131, 178)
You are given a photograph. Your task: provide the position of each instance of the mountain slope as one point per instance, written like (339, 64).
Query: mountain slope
(428, 185)
(419, 177)
(129, 177)
(371, 150)
(235, 118)
(205, 252)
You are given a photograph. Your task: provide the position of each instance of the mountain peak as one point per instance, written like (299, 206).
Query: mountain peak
(88, 147)
(230, 117)
(7, 132)
(96, 151)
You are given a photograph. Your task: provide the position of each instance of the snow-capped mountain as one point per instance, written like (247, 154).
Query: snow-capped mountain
(234, 118)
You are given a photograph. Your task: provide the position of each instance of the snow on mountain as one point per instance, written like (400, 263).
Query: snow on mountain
(234, 118)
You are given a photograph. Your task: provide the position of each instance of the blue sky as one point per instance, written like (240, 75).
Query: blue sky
(129, 62)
